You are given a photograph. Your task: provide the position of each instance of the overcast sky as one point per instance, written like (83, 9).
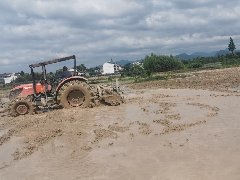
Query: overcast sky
(99, 30)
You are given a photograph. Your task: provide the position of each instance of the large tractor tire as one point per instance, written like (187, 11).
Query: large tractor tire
(75, 94)
(21, 107)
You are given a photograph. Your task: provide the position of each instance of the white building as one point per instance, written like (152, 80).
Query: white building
(137, 63)
(111, 68)
(8, 78)
(78, 73)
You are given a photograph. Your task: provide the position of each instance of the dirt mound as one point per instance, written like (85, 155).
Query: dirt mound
(219, 80)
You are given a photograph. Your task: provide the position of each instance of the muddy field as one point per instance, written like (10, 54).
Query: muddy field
(186, 128)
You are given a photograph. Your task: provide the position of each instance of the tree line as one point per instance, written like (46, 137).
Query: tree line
(228, 60)
(159, 63)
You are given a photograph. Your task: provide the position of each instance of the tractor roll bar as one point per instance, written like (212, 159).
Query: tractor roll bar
(44, 68)
(53, 61)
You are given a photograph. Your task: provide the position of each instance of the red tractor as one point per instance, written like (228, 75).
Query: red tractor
(70, 92)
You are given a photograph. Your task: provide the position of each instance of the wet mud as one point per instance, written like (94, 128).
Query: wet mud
(157, 134)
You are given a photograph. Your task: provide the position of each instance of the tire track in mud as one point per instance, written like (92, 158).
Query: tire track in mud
(213, 110)
(32, 145)
(37, 131)
(15, 127)
(169, 120)
(171, 123)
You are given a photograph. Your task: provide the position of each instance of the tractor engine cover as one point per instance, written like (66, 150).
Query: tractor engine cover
(26, 90)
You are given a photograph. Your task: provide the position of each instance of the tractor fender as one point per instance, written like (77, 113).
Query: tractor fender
(78, 78)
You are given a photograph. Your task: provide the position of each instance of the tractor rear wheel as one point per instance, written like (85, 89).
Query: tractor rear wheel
(75, 95)
(21, 107)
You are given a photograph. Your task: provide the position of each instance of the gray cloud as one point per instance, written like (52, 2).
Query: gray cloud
(96, 31)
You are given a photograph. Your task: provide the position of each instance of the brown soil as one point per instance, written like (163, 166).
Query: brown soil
(221, 80)
(175, 129)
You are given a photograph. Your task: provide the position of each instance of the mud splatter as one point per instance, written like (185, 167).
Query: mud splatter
(32, 144)
(101, 134)
(117, 128)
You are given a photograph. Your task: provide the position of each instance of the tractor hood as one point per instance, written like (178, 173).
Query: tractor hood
(25, 90)
(23, 86)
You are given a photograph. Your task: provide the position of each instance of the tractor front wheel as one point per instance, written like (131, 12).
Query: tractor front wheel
(21, 107)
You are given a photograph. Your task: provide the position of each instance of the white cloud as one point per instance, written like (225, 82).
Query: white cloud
(97, 31)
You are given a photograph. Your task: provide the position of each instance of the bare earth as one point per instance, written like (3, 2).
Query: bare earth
(184, 129)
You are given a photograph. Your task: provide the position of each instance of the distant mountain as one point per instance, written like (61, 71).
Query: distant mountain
(222, 52)
(123, 62)
(185, 56)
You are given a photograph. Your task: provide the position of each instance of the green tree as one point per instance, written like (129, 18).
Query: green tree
(24, 78)
(22, 73)
(154, 63)
(137, 71)
(231, 45)
(81, 68)
(126, 70)
(94, 71)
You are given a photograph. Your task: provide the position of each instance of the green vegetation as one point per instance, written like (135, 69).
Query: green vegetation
(223, 61)
(152, 64)
(231, 45)
(133, 70)
(155, 63)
